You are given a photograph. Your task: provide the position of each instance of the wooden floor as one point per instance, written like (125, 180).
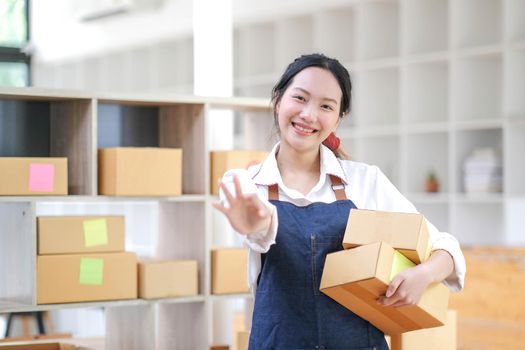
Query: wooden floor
(491, 308)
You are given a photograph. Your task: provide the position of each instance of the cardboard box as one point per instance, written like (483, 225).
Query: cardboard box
(80, 234)
(86, 277)
(132, 171)
(229, 271)
(357, 277)
(438, 338)
(164, 279)
(406, 232)
(33, 176)
(222, 161)
(243, 340)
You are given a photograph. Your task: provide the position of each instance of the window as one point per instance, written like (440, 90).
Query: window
(14, 35)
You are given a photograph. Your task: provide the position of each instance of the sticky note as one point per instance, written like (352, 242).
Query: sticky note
(91, 271)
(41, 177)
(400, 263)
(95, 232)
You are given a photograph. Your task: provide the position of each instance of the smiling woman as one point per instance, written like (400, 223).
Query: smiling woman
(14, 34)
(293, 208)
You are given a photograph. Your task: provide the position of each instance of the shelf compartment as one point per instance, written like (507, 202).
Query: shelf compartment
(141, 219)
(475, 22)
(332, 24)
(514, 209)
(255, 131)
(293, 37)
(182, 326)
(466, 142)
(384, 152)
(376, 97)
(479, 224)
(514, 20)
(476, 88)
(424, 26)
(254, 51)
(123, 123)
(425, 92)
(51, 127)
(514, 105)
(131, 327)
(377, 29)
(427, 152)
(17, 253)
(436, 213)
(514, 168)
(180, 238)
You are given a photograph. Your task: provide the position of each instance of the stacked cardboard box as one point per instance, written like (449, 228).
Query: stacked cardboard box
(33, 176)
(229, 272)
(82, 258)
(144, 171)
(379, 245)
(221, 161)
(438, 338)
(169, 278)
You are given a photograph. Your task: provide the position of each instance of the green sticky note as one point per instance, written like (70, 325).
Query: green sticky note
(399, 264)
(95, 232)
(91, 271)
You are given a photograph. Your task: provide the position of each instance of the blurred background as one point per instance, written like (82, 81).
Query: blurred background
(438, 104)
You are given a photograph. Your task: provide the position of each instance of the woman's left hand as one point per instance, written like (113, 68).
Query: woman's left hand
(407, 287)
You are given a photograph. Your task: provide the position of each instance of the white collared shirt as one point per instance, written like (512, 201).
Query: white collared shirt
(365, 185)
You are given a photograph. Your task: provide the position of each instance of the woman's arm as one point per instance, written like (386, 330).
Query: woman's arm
(408, 286)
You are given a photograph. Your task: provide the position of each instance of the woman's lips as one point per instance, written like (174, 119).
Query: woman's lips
(303, 129)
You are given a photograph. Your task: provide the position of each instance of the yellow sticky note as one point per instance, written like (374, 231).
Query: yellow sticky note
(95, 232)
(91, 271)
(399, 264)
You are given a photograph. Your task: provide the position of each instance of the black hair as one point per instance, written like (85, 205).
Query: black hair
(315, 60)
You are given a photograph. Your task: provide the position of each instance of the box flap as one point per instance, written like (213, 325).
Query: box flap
(404, 231)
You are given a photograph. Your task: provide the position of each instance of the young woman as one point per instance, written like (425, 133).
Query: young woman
(293, 209)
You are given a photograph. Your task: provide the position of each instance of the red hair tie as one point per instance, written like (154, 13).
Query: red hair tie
(332, 142)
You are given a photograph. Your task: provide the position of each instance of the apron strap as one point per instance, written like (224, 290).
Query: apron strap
(273, 192)
(337, 186)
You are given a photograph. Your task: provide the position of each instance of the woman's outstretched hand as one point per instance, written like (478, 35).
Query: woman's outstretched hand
(246, 212)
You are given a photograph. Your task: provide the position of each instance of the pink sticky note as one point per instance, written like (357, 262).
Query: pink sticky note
(41, 177)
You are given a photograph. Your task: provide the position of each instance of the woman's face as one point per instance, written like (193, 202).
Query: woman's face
(309, 109)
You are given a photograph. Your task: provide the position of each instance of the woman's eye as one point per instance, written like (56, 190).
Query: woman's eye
(299, 97)
(327, 107)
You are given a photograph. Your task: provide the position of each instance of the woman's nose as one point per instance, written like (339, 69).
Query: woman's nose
(309, 113)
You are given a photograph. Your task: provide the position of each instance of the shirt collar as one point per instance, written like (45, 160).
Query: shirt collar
(269, 174)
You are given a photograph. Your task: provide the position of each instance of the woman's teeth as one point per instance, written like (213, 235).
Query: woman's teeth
(302, 129)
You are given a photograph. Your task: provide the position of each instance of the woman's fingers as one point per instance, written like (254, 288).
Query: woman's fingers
(227, 193)
(220, 208)
(237, 183)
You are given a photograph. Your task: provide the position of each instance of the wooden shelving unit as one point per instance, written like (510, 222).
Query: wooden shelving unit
(75, 126)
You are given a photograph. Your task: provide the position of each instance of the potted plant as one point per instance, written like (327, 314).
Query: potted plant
(432, 182)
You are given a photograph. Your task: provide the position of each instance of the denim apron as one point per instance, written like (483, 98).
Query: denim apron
(290, 311)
